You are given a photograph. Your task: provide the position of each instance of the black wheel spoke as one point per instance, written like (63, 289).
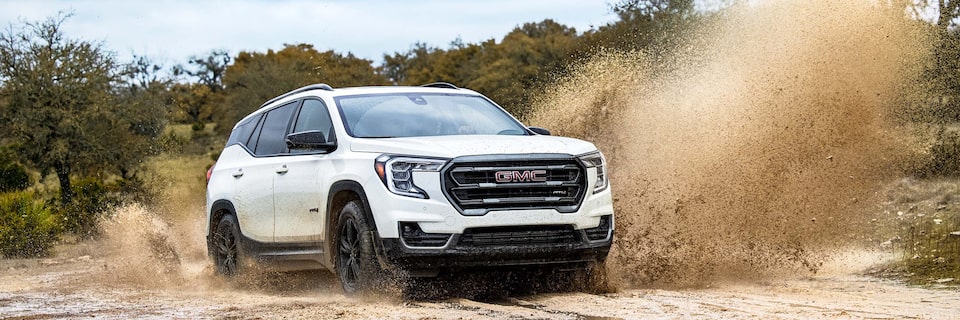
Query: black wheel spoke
(345, 246)
(355, 244)
(222, 249)
(354, 266)
(351, 231)
(226, 247)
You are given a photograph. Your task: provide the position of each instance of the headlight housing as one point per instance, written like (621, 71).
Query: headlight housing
(596, 160)
(396, 172)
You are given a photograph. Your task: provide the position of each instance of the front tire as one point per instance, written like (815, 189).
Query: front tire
(356, 264)
(226, 246)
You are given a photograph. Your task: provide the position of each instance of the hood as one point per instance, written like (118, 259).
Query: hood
(468, 145)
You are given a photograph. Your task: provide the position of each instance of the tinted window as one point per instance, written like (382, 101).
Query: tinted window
(273, 135)
(314, 116)
(242, 132)
(413, 115)
(252, 142)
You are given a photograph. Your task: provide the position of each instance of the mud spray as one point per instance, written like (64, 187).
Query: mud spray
(758, 151)
(140, 249)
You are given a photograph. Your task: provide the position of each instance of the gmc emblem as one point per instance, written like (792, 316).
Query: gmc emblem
(521, 176)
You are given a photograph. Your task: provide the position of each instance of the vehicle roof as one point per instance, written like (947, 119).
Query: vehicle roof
(395, 89)
(323, 90)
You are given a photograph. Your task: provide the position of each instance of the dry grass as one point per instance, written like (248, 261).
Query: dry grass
(186, 130)
(921, 219)
(180, 181)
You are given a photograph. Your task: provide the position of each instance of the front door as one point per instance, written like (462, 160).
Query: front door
(299, 199)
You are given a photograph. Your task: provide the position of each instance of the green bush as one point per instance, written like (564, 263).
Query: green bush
(27, 227)
(91, 198)
(198, 126)
(943, 158)
(171, 142)
(13, 176)
(945, 154)
(132, 190)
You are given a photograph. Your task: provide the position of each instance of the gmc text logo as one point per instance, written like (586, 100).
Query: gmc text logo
(521, 176)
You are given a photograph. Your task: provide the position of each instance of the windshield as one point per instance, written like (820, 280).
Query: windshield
(397, 115)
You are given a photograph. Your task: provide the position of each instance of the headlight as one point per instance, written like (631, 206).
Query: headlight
(596, 160)
(397, 173)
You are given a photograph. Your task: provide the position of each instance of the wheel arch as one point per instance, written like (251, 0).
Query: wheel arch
(342, 192)
(218, 209)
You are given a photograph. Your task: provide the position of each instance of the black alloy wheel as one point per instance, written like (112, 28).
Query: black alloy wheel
(356, 265)
(226, 246)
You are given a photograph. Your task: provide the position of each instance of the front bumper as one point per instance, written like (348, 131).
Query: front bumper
(505, 247)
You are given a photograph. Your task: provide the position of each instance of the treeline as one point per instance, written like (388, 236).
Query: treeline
(508, 70)
(77, 125)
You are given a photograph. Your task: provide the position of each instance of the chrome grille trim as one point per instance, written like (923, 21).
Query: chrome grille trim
(470, 183)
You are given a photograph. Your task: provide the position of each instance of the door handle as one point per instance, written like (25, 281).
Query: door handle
(283, 169)
(238, 173)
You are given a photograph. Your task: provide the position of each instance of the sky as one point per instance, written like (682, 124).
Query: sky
(170, 32)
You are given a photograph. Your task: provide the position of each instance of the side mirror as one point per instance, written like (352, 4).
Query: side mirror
(539, 130)
(310, 140)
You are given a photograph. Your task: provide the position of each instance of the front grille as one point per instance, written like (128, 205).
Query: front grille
(518, 236)
(535, 182)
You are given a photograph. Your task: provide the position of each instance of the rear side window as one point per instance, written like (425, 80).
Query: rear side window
(241, 134)
(272, 138)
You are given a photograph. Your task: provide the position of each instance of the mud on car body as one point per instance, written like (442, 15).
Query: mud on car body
(410, 181)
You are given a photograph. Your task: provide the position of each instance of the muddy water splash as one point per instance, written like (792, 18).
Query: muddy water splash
(163, 247)
(758, 153)
(141, 249)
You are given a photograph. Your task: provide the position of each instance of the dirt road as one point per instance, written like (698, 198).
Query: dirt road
(755, 151)
(81, 283)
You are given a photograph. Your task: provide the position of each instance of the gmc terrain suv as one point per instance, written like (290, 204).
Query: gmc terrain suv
(414, 181)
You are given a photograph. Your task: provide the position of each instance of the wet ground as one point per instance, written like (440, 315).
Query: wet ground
(75, 284)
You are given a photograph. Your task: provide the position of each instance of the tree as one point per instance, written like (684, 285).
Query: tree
(652, 10)
(507, 71)
(142, 74)
(64, 109)
(943, 71)
(526, 59)
(644, 25)
(138, 108)
(416, 66)
(209, 70)
(193, 103)
(256, 77)
(947, 11)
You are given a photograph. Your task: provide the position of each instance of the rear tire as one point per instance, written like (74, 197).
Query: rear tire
(226, 246)
(356, 265)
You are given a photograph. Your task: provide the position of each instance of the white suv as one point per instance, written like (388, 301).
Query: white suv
(403, 180)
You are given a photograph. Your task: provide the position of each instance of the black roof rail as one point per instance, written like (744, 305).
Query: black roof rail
(445, 85)
(321, 86)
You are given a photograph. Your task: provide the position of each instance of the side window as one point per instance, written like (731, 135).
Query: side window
(273, 135)
(252, 142)
(241, 134)
(315, 116)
